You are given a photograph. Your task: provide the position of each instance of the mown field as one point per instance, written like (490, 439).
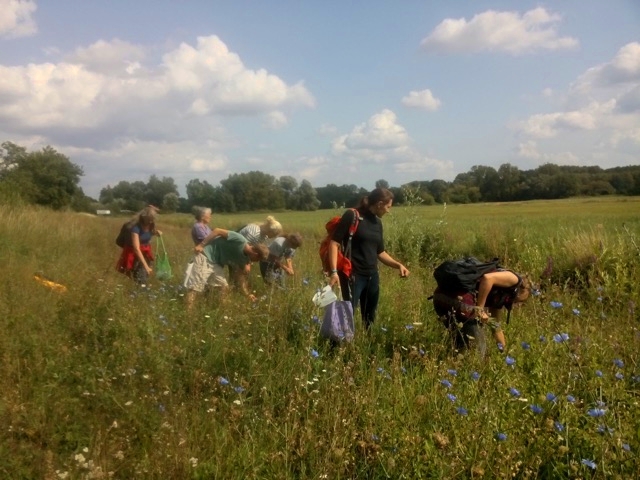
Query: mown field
(107, 380)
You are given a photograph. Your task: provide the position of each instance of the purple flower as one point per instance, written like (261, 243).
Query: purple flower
(315, 319)
(542, 339)
(452, 397)
(571, 399)
(452, 372)
(510, 361)
(556, 304)
(558, 426)
(500, 346)
(314, 353)
(239, 389)
(599, 373)
(409, 327)
(605, 429)
(514, 391)
(375, 438)
(475, 376)
(551, 397)
(596, 412)
(618, 363)
(625, 446)
(560, 337)
(462, 411)
(576, 311)
(537, 409)
(589, 463)
(305, 281)
(501, 437)
(525, 346)
(619, 376)
(223, 381)
(446, 383)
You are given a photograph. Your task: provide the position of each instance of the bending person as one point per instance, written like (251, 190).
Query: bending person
(136, 260)
(498, 290)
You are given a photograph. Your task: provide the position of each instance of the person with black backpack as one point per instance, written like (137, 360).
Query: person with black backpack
(365, 248)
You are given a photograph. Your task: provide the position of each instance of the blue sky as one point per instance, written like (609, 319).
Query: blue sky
(331, 92)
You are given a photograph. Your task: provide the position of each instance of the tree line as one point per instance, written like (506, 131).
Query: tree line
(47, 177)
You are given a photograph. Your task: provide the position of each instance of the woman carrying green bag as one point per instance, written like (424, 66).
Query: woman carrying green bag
(163, 267)
(136, 260)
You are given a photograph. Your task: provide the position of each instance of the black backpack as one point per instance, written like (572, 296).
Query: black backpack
(124, 237)
(462, 275)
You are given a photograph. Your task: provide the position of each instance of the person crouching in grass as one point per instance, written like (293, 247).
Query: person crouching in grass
(219, 249)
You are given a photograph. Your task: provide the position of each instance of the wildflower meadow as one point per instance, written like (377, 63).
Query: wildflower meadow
(104, 379)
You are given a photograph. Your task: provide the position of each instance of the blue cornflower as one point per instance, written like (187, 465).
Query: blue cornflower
(560, 337)
(537, 409)
(500, 346)
(314, 353)
(619, 376)
(558, 426)
(514, 391)
(600, 403)
(462, 411)
(556, 304)
(446, 383)
(618, 363)
(452, 372)
(315, 319)
(605, 429)
(421, 352)
(380, 370)
(409, 327)
(375, 438)
(571, 399)
(305, 281)
(501, 437)
(599, 373)
(599, 299)
(625, 446)
(239, 389)
(596, 412)
(542, 339)
(525, 346)
(589, 463)
(510, 361)
(535, 292)
(475, 376)
(551, 397)
(223, 381)
(452, 397)
(576, 311)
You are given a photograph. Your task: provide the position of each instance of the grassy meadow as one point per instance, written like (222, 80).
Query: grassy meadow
(109, 380)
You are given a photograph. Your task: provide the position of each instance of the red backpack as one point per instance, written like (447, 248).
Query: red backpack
(344, 253)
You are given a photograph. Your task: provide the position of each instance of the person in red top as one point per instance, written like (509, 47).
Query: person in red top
(136, 260)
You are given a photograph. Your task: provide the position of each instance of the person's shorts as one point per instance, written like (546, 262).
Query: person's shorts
(205, 272)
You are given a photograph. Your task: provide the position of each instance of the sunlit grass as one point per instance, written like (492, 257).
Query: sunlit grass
(109, 380)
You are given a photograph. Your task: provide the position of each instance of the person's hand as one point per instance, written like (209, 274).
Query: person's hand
(403, 271)
(334, 279)
(198, 248)
(159, 233)
(149, 270)
(252, 297)
(483, 316)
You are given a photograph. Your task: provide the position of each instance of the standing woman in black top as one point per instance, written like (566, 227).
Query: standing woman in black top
(367, 248)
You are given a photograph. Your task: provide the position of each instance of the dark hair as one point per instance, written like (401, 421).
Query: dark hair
(376, 195)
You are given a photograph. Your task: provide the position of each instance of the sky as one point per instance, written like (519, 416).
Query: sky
(332, 91)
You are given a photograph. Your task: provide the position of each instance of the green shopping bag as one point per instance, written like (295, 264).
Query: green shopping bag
(163, 267)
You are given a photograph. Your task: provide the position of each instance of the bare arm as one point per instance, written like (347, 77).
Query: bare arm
(504, 279)
(389, 261)
(333, 262)
(216, 232)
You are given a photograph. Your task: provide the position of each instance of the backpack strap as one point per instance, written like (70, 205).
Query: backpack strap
(352, 231)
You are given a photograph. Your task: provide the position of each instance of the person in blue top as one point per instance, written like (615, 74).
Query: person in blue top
(367, 249)
(136, 260)
(280, 261)
(217, 250)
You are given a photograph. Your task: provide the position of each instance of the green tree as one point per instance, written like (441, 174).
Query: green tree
(254, 191)
(157, 188)
(289, 185)
(170, 202)
(305, 198)
(44, 177)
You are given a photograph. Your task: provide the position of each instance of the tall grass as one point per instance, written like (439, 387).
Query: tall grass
(109, 380)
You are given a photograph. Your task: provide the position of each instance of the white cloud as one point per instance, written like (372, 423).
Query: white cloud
(499, 32)
(529, 150)
(326, 129)
(623, 69)
(549, 124)
(380, 133)
(275, 120)
(16, 18)
(113, 58)
(423, 99)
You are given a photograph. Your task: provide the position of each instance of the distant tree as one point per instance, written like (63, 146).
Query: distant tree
(44, 177)
(289, 185)
(125, 196)
(156, 189)
(170, 202)
(254, 191)
(200, 193)
(305, 198)
(382, 184)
